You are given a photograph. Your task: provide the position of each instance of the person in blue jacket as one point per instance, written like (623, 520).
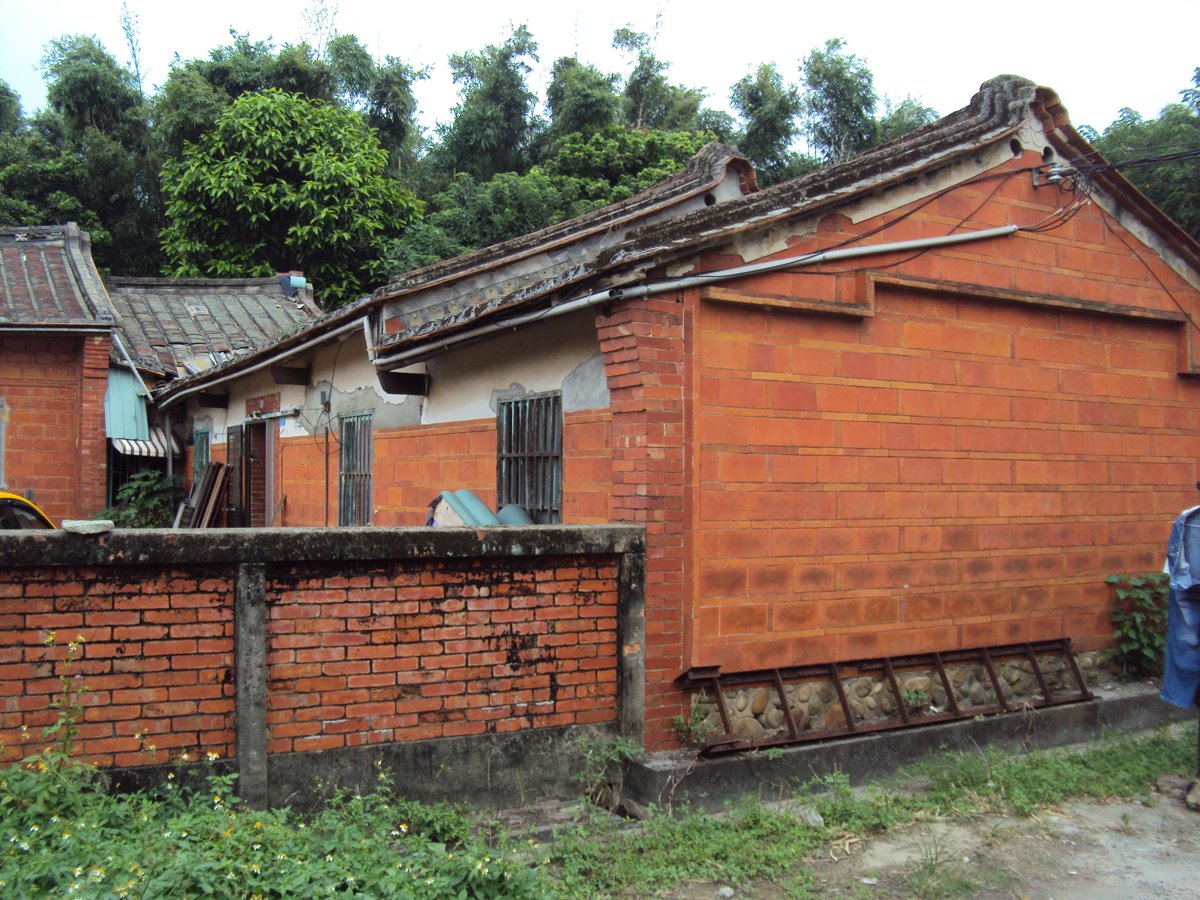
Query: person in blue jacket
(1181, 663)
(1181, 670)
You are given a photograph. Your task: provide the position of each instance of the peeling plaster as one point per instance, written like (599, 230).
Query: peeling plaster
(558, 354)
(587, 386)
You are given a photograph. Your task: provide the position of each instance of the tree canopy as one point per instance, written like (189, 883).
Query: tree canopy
(257, 158)
(1173, 185)
(283, 182)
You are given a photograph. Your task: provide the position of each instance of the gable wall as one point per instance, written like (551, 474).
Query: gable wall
(952, 470)
(55, 445)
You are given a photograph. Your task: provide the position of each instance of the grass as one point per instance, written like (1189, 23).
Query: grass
(975, 782)
(754, 842)
(61, 834)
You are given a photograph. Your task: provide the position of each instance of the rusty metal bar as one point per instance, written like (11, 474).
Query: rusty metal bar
(1083, 691)
(900, 704)
(841, 692)
(951, 700)
(783, 705)
(1037, 673)
(711, 678)
(991, 670)
(721, 707)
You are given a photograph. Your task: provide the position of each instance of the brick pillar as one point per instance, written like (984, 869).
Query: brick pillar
(643, 342)
(92, 446)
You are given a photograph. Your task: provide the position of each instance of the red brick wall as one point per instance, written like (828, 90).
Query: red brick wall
(413, 465)
(255, 467)
(399, 653)
(357, 651)
(156, 655)
(649, 375)
(55, 443)
(587, 467)
(959, 468)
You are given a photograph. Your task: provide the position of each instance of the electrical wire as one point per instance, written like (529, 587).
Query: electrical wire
(1109, 222)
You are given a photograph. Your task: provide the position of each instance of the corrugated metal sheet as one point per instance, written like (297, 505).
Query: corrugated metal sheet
(124, 407)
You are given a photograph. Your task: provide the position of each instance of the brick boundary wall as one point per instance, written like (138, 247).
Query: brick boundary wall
(283, 648)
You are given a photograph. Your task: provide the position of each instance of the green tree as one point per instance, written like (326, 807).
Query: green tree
(383, 94)
(901, 118)
(618, 162)
(85, 158)
(10, 109)
(284, 182)
(1173, 185)
(492, 129)
(649, 100)
(839, 102)
(87, 87)
(586, 171)
(197, 91)
(580, 98)
(186, 107)
(769, 109)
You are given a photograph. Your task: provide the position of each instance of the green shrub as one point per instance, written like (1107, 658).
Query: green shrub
(1140, 617)
(146, 500)
(62, 833)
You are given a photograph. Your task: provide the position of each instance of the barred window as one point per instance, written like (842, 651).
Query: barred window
(529, 437)
(355, 467)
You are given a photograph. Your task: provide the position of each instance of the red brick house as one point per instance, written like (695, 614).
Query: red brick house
(925, 399)
(55, 330)
(78, 354)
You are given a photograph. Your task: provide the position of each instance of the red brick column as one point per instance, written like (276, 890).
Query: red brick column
(92, 442)
(644, 360)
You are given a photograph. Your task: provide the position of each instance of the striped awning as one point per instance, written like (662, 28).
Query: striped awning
(155, 446)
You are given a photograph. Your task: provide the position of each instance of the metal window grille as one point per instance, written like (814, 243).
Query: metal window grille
(355, 458)
(233, 458)
(529, 455)
(200, 453)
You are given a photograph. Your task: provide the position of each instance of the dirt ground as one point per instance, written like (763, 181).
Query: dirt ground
(1128, 850)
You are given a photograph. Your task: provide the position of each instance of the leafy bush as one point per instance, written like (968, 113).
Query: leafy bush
(1140, 617)
(63, 834)
(146, 500)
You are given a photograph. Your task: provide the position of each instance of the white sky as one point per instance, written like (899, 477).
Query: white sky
(1098, 57)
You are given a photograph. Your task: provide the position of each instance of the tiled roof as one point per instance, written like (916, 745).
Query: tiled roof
(712, 166)
(48, 279)
(998, 109)
(618, 244)
(179, 326)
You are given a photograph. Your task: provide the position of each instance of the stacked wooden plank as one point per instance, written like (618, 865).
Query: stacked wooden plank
(202, 506)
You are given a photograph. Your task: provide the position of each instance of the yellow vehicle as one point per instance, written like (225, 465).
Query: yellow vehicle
(16, 512)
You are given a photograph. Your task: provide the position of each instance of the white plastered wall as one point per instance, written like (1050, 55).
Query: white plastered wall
(558, 354)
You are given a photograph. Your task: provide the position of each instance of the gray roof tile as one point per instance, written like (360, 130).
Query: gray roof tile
(178, 325)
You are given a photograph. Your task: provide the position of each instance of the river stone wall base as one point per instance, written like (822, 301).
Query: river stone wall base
(681, 781)
(756, 713)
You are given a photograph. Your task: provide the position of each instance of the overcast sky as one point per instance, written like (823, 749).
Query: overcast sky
(1099, 58)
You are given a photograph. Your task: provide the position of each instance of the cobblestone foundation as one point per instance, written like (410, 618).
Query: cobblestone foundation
(756, 712)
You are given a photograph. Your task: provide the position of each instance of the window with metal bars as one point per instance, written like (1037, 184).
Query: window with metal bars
(529, 436)
(355, 465)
